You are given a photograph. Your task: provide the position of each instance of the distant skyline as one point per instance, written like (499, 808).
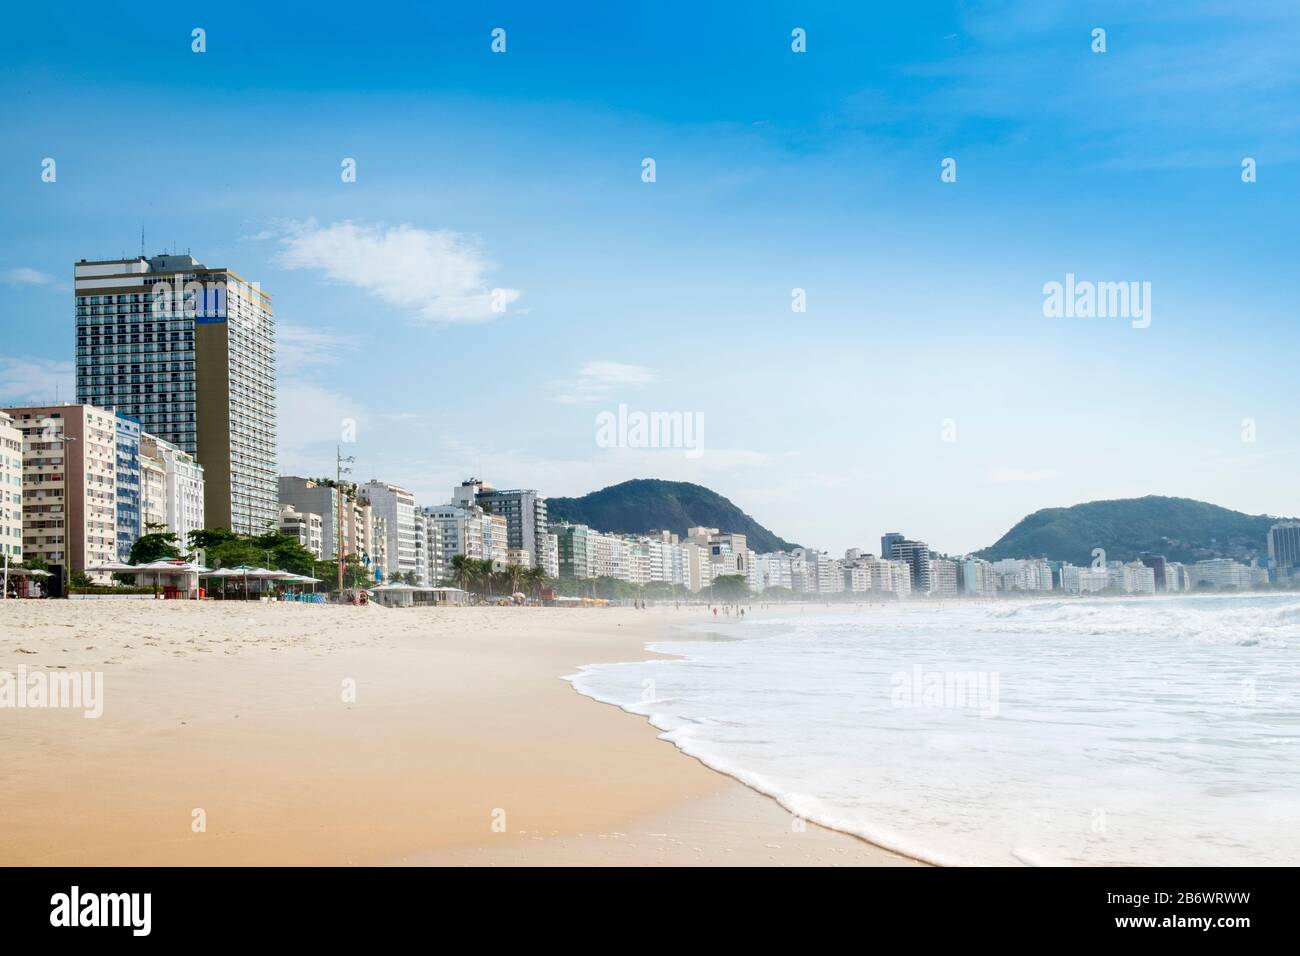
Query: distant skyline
(499, 274)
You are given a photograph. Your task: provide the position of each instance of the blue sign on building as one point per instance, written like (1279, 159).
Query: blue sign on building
(210, 303)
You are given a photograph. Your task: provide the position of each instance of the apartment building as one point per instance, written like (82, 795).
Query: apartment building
(1019, 574)
(917, 556)
(478, 534)
(11, 490)
(69, 484)
(729, 552)
(344, 513)
(171, 488)
(1225, 573)
(943, 578)
(153, 488)
(549, 559)
(396, 506)
(524, 510)
(1077, 580)
(772, 570)
(424, 563)
(127, 467)
(977, 578)
(305, 527)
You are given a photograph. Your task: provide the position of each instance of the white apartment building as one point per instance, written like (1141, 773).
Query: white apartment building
(306, 527)
(857, 577)
(1131, 578)
(728, 551)
(424, 562)
(608, 554)
(396, 506)
(898, 574)
(803, 580)
(375, 556)
(452, 529)
(816, 572)
(943, 578)
(11, 490)
(772, 570)
(1017, 574)
(179, 502)
(639, 559)
(549, 545)
(153, 490)
(1077, 580)
(864, 572)
(1221, 573)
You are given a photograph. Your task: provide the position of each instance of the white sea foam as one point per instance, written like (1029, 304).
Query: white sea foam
(1149, 731)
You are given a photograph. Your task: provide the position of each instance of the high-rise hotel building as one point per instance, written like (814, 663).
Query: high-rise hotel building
(189, 353)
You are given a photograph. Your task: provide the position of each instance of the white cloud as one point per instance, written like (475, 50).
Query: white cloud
(1019, 476)
(310, 422)
(436, 275)
(24, 275)
(598, 379)
(305, 346)
(35, 380)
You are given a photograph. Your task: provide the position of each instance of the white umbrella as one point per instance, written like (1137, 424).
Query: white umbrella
(108, 567)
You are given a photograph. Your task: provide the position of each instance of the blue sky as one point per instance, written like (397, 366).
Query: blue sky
(774, 171)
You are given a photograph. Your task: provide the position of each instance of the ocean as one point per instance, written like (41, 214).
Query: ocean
(1152, 731)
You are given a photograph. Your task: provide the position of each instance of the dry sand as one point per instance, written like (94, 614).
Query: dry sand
(462, 745)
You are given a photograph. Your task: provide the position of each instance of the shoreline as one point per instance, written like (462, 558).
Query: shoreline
(462, 744)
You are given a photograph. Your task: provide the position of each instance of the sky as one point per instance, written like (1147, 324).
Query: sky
(501, 273)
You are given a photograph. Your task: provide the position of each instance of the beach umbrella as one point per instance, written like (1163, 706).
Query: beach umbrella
(109, 567)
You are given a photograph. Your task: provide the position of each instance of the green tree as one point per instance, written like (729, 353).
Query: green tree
(223, 548)
(355, 574)
(514, 574)
(157, 544)
(730, 587)
(534, 580)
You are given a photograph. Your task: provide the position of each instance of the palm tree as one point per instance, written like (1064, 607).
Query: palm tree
(464, 571)
(514, 573)
(535, 579)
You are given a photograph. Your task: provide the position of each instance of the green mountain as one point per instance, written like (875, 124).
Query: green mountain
(648, 504)
(1179, 528)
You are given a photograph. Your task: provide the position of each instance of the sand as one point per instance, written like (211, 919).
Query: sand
(318, 735)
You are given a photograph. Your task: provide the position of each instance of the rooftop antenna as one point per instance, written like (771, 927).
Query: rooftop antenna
(141, 240)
